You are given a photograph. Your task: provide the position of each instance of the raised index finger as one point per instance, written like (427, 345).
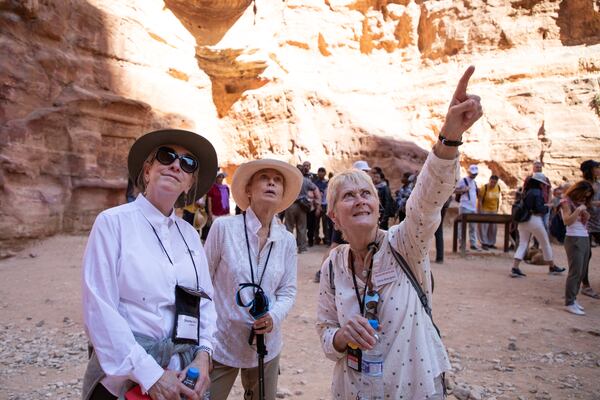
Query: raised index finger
(460, 93)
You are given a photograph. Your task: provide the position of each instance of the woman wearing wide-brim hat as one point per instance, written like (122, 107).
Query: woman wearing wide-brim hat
(146, 283)
(534, 201)
(252, 248)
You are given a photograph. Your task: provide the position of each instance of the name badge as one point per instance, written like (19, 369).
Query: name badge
(187, 327)
(354, 357)
(385, 276)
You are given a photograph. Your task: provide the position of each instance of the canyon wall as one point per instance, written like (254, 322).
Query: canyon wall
(328, 81)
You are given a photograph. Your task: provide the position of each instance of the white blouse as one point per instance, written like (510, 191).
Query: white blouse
(227, 255)
(414, 355)
(129, 286)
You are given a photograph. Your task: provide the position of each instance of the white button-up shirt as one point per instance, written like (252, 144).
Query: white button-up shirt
(227, 255)
(129, 286)
(414, 355)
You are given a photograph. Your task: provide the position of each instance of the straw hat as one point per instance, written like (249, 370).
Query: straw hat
(291, 175)
(197, 145)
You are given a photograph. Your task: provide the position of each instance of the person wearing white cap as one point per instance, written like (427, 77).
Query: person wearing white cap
(466, 191)
(361, 165)
(533, 200)
(254, 250)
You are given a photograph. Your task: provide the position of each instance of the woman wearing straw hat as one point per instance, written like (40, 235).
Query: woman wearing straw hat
(255, 250)
(145, 277)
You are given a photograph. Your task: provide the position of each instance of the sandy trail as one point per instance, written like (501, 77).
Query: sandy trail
(508, 338)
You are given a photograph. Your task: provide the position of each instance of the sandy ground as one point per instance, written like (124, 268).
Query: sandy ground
(508, 338)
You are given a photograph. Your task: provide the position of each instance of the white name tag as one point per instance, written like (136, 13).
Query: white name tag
(187, 327)
(385, 276)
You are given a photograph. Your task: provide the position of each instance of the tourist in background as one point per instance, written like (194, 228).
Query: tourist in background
(217, 199)
(489, 203)
(591, 173)
(574, 205)
(386, 202)
(534, 202)
(537, 168)
(467, 192)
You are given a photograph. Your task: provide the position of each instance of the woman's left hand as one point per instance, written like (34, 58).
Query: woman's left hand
(202, 362)
(464, 109)
(263, 325)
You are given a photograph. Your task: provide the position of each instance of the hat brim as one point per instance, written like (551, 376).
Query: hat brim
(241, 177)
(197, 145)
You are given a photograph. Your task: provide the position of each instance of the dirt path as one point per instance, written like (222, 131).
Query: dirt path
(508, 338)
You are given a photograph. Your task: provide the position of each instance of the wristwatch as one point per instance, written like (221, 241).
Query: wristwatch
(447, 142)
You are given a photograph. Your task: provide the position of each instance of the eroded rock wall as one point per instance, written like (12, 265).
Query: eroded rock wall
(328, 81)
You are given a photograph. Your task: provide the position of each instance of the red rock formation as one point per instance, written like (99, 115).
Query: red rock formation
(329, 81)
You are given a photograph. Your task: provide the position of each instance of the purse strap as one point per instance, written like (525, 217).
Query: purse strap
(413, 280)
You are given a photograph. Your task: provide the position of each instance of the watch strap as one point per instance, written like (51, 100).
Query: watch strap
(448, 142)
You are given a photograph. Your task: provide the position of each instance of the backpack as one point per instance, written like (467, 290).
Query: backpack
(457, 196)
(557, 227)
(520, 212)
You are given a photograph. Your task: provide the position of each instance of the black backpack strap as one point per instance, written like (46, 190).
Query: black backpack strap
(413, 280)
(331, 277)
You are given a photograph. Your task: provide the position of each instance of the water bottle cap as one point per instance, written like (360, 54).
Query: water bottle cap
(374, 324)
(193, 373)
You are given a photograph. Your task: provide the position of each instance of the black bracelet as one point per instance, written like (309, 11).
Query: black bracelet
(446, 142)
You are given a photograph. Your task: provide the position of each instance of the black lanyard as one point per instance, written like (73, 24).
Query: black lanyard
(250, 256)
(361, 303)
(167, 254)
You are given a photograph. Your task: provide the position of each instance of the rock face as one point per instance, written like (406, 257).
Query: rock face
(329, 81)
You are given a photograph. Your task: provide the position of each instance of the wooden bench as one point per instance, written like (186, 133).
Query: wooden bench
(463, 219)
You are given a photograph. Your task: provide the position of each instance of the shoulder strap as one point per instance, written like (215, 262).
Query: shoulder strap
(468, 188)
(413, 280)
(331, 277)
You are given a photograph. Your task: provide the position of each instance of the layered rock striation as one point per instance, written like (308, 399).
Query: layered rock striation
(329, 81)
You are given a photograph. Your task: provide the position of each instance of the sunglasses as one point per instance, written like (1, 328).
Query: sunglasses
(167, 156)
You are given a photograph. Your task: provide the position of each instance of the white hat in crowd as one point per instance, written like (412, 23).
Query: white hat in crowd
(362, 165)
(473, 169)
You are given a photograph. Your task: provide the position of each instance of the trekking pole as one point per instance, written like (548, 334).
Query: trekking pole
(261, 349)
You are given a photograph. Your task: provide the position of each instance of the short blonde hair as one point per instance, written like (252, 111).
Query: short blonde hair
(353, 176)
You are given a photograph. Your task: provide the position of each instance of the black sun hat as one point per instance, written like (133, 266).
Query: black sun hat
(196, 144)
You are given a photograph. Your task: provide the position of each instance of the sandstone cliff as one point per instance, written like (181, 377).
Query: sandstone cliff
(329, 81)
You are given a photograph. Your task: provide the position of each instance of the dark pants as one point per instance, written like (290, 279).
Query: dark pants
(578, 251)
(312, 229)
(586, 279)
(439, 238)
(100, 393)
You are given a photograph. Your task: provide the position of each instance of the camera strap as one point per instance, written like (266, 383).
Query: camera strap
(167, 254)
(257, 285)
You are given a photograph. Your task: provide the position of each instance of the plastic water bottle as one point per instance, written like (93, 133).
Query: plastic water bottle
(191, 377)
(372, 370)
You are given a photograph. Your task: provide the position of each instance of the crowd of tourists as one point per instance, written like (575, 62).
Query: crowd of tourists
(163, 294)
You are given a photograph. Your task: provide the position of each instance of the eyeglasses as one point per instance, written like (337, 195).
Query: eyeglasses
(167, 156)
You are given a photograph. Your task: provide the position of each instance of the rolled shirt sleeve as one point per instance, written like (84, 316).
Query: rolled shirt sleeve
(412, 237)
